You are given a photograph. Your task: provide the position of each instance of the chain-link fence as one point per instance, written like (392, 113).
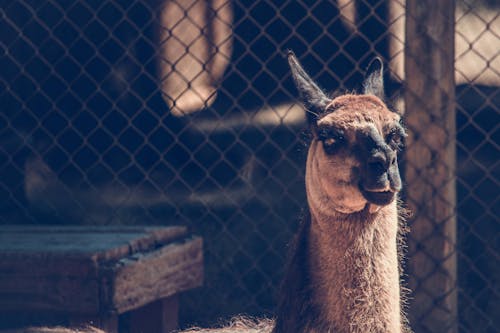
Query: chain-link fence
(478, 118)
(183, 112)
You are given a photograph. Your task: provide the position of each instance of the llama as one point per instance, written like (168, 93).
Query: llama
(343, 272)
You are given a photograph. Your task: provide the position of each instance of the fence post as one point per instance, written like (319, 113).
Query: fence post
(430, 164)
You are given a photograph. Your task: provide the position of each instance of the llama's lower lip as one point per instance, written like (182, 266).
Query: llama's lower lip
(380, 198)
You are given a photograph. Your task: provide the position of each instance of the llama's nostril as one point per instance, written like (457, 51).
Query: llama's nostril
(377, 167)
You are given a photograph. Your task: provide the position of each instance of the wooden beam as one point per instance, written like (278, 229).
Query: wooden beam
(146, 277)
(430, 164)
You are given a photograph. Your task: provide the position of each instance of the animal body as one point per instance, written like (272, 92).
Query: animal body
(343, 273)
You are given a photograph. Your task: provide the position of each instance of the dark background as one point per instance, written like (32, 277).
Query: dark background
(86, 138)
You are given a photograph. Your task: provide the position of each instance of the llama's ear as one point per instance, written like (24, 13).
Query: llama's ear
(314, 99)
(374, 79)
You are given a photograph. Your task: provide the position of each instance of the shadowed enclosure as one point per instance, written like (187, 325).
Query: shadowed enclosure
(184, 112)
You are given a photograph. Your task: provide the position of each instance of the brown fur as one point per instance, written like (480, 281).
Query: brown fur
(351, 255)
(355, 269)
(239, 325)
(330, 182)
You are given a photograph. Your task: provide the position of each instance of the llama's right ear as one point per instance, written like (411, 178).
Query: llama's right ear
(314, 99)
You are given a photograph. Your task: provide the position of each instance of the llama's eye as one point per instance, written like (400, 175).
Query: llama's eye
(329, 142)
(394, 139)
(331, 138)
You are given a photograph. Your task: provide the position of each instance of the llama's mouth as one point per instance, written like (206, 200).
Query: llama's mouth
(380, 198)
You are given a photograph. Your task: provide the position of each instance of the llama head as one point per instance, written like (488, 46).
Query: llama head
(352, 159)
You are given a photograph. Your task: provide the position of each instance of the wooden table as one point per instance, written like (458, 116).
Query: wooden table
(121, 279)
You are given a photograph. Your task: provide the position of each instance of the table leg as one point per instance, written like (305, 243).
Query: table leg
(157, 317)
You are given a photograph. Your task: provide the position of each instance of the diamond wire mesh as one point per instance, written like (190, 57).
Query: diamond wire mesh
(150, 112)
(478, 178)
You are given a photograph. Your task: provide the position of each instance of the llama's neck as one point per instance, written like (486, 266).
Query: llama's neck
(354, 271)
(344, 276)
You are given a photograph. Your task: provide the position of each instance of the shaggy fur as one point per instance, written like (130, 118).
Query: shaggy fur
(239, 325)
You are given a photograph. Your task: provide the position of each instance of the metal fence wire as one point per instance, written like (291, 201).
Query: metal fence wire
(184, 112)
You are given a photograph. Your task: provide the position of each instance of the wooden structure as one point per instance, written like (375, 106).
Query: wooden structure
(430, 164)
(122, 279)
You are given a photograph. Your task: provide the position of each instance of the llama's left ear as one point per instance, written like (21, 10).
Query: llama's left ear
(314, 99)
(374, 79)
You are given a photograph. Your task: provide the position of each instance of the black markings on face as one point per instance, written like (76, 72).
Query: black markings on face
(368, 140)
(377, 153)
(332, 138)
(394, 137)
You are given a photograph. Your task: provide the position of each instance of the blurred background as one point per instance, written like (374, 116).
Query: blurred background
(149, 112)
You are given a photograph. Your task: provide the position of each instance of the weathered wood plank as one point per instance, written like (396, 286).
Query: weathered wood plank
(99, 243)
(430, 164)
(44, 282)
(50, 294)
(145, 277)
